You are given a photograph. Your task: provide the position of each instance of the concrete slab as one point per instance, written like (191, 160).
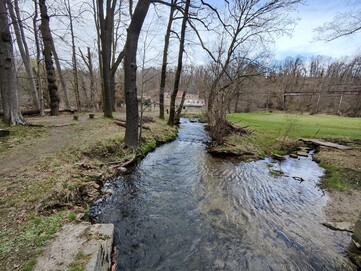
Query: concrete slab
(320, 142)
(84, 243)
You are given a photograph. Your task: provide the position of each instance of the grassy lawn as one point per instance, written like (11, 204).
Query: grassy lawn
(271, 127)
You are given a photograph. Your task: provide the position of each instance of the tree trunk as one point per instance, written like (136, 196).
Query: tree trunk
(180, 64)
(338, 112)
(180, 107)
(74, 60)
(89, 63)
(60, 74)
(9, 92)
(130, 73)
(106, 23)
(39, 84)
(164, 63)
(50, 71)
(23, 48)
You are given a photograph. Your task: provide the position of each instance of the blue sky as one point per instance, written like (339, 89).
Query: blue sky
(313, 14)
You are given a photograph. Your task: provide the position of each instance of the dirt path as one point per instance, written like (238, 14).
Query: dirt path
(58, 139)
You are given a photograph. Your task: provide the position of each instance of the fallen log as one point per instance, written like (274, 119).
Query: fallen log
(123, 124)
(37, 112)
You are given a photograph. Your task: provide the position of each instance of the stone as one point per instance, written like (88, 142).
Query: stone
(320, 142)
(293, 155)
(356, 237)
(278, 157)
(93, 242)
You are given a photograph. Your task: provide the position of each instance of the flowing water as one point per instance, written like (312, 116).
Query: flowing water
(182, 209)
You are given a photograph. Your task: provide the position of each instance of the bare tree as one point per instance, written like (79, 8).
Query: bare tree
(48, 49)
(130, 70)
(246, 25)
(179, 65)
(89, 63)
(163, 76)
(73, 49)
(23, 48)
(9, 93)
(104, 19)
(38, 68)
(343, 24)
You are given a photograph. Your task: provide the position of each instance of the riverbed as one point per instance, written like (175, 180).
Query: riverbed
(182, 209)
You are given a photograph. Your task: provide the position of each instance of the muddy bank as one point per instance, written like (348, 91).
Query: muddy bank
(344, 205)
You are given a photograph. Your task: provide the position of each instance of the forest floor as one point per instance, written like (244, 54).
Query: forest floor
(51, 173)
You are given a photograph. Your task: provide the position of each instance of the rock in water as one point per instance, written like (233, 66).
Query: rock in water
(354, 251)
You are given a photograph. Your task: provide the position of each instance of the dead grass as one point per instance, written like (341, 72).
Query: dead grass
(51, 178)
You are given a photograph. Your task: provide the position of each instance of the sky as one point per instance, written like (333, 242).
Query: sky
(313, 14)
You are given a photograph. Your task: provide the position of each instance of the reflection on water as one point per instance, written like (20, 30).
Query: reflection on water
(182, 209)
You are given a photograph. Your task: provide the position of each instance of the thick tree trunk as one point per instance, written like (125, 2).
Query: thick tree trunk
(50, 71)
(9, 93)
(106, 23)
(164, 62)
(180, 64)
(130, 73)
(23, 48)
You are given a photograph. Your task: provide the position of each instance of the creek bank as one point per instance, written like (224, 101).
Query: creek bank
(342, 179)
(355, 248)
(52, 175)
(183, 209)
(95, 242)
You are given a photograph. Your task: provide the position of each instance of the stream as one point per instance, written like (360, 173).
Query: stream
(182, 209)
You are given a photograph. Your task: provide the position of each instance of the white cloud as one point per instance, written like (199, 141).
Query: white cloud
(315, 13)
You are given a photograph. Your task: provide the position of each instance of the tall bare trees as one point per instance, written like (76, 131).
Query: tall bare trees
(247, 26)
(48, 58)
(163, 75)
(105, 20)
(23, 48)
(172, 109)
(9, 94)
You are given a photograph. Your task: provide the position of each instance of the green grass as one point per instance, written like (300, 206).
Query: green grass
(271, 127)
(30, 265)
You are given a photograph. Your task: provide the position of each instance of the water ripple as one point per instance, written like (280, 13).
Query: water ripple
(182, 209)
